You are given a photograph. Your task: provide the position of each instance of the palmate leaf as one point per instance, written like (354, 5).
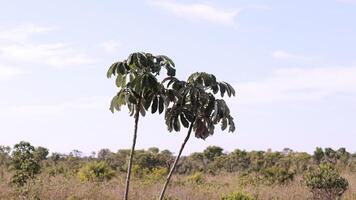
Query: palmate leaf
(196, 104)
(136, 76)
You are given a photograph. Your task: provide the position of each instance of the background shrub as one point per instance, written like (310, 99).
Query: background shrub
(95, 171)
(325, 182)
(196, 178)
(277, 175)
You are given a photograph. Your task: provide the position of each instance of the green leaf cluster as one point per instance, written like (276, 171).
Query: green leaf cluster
(136, 79)
(196, 104)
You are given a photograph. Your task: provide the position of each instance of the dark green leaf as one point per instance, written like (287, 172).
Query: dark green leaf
(148, 101)
(113, 103)
(222, 88)
(142, 110)
(111, 70)
(161, 105)
(170, 71)
(231, 89)
(215, 88)
(176, 124)
(184, 121)
(223, 124)
(132, 99)
(189, 116)
(119, 79)
(154, 105)
(120, 68)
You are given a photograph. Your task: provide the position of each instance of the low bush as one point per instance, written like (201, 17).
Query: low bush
(95, 171)
(325, 183)
(197, 178)
(277, 175)
(236, 196)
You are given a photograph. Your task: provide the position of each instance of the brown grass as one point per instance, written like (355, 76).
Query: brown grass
(70, 188)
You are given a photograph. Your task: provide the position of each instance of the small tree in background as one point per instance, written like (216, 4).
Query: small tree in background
(40, 153)
(197, 109)
(95, 171)
(318, 155)
(140, 90)
(325, 183)
(212, 152)
(24, 163)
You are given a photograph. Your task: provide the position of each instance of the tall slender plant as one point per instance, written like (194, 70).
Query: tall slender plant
(197, 109)
(139, 89)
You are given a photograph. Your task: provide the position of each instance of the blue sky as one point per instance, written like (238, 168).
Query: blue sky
(293, 64)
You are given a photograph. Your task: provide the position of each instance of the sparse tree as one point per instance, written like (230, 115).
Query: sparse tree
(197, 109)
(40, 153)
(139, 89)
(24, 163)
(318, 155)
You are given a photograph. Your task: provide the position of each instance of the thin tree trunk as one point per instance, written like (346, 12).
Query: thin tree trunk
(128, 175)
(175, 162)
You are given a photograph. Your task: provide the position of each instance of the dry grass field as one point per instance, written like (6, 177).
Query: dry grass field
(210, 187)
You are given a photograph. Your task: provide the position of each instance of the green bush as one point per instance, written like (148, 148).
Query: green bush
(236, 196)
(157, 173)
(196, 178)
(148, 176)
(277, 175)
(325, 182)
(95, 171)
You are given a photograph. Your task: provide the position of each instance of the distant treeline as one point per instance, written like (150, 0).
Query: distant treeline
(212, 160)
(25, 165)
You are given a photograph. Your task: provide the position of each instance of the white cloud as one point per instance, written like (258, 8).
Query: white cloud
(283, 55)
(23, 32)
(202, 12)
(76, 105)
(9, 72)
(17, 47)
(54, 54)
(299, 85)
(111, 46)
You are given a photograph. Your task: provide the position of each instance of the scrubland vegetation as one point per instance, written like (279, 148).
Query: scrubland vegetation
(28, 172)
